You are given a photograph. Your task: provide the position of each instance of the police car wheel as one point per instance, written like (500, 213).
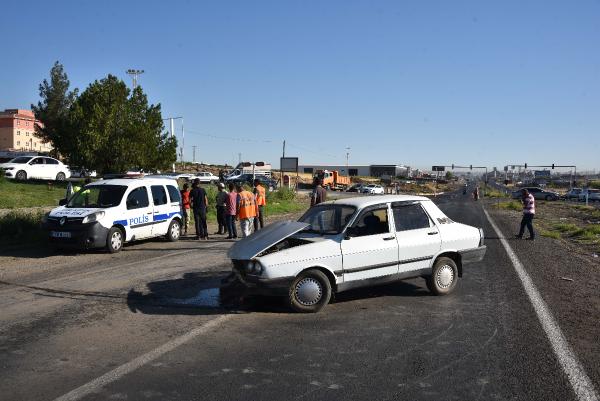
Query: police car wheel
(174, 231)
(114, 240)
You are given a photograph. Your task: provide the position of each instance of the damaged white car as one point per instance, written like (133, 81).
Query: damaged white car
(344, 244)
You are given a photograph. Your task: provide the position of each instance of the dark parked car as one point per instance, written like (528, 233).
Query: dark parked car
(248, 179)
(538, 193)
(356, 188)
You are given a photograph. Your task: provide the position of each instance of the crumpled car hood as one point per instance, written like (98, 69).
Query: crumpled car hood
(249, 247)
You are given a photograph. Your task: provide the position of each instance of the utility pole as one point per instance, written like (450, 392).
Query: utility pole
(134, 75)
(194, 154)
(284, 148)
(172, 125)
(347, 157)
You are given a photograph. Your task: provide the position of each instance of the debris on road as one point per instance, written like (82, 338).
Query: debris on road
(567, 279)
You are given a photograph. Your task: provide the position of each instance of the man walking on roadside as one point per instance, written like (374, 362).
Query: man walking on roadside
(231, 212)
(319, 194)
(261, 201)
(528, 214)
(222, 196)
(199, 204)
(246, 209)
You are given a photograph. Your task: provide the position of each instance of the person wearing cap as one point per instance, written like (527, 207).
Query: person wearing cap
(221, 201)
(261, 201)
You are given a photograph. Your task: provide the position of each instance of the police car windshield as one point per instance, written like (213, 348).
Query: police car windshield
(93, 196)
(327, 219)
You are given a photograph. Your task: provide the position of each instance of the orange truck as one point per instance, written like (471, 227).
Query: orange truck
(333, 180)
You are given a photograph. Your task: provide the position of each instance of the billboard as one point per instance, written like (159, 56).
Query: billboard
(288, 164)
(541, 173)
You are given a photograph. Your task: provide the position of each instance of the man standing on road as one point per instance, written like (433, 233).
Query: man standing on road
(261, 201)
(528, 214)
(246, 209)
(231, 212)
(199, 204)
(185, 207)
(319, 194)
(222, 196)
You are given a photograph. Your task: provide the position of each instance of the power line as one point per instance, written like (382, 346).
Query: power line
(230, 138)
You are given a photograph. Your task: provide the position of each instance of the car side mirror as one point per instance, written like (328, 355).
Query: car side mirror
(349, 233)
(62, 202)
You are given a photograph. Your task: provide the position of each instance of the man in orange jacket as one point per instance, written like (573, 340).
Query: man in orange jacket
(261, 201)
(246, 210)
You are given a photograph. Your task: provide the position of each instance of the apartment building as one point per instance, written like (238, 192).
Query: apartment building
(17, 132)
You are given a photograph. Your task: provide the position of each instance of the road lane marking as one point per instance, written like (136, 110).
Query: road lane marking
(117, 373)
(580, 382)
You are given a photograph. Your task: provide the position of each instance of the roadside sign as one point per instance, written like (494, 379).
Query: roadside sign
(288, 164)
(438, 168)
(505, 168)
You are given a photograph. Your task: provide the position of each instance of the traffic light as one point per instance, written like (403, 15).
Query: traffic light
(452, 166)
(525, 165)
(471, 167)
(552, 166)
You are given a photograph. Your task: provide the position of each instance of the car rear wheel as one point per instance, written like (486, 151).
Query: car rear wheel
(174, 231)
(443, 277)
(309, 292)
(21, 175)
(114, 240)
(60, 177)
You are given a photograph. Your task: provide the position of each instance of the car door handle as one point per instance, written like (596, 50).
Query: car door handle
(433, 233)
(388, 238)
(150, 213)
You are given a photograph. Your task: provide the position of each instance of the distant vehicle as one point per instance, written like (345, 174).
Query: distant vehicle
(592, 195)
(82, 172)
(573, 193)
(356, 188)
(175, 176)
(248, 179)
(109, 213)
(205, 178)
(41, 168)
(258, 168)
(373, 189)
(333, 180)
(538, 193)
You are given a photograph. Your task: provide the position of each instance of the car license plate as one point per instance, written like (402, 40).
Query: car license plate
(60, 234)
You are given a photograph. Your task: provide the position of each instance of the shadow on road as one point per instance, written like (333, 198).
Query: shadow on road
(398, 289)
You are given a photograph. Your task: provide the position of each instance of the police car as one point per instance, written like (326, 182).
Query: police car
(109, 213)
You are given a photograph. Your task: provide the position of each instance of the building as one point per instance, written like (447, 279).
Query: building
(17, 132)
(367, 170)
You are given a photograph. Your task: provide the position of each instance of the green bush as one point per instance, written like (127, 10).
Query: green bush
(19, 227)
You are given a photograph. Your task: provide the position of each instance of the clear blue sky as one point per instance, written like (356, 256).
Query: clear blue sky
(414, 82)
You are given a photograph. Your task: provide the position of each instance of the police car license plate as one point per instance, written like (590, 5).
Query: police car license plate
(60, 234)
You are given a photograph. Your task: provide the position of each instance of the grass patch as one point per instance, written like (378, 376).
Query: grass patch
(493, 193)
(15, 194)
(512, 205)
(567, 228)
(22, 227)
(588, 233)
(550, 234)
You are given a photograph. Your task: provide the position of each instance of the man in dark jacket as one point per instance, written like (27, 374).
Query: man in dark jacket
(199, 202)
(319, 194)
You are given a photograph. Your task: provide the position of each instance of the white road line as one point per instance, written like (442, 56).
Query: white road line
(580, 382)
(119, 372)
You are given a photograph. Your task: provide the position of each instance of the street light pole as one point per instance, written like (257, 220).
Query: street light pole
(134, 75)
(347, 157)
(172, 124)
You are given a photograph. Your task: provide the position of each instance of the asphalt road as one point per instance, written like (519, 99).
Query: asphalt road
(146, 324)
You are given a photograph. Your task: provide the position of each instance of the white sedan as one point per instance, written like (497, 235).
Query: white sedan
(205, 178)
(373, 189)
(355, 242)
(35, 167)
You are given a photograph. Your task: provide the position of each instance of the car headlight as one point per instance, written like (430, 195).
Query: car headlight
(254, 267)
(90, 218)
(45, 218)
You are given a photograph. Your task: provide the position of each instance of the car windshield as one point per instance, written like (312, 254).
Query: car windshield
(98, 196)
(20, 160)
(327, 219)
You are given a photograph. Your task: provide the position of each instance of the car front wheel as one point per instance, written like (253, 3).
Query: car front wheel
(114, 240)
(21, 175)
(443, 277)
(309, 292)
(60, 177)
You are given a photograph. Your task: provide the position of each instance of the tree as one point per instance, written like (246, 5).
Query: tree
(116, 132)
(449, 175)
(53, 110)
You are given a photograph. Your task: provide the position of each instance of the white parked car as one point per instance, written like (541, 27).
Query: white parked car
(108, 213)
(592, 195)
(205, 178)
(373, 189)
(35, 167)
(354, 242)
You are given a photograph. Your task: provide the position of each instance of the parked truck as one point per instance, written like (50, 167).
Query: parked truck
(333, 180)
